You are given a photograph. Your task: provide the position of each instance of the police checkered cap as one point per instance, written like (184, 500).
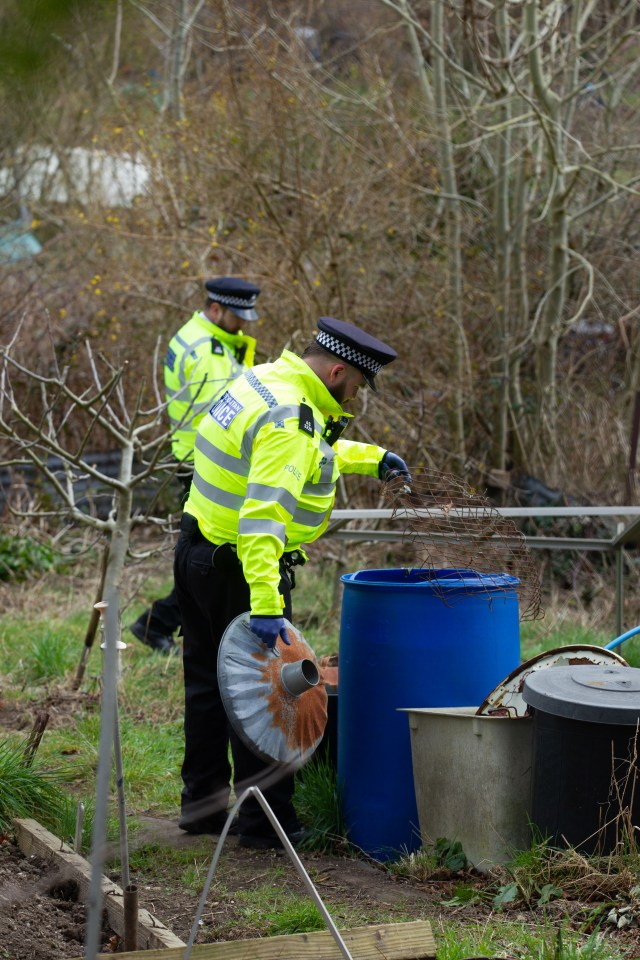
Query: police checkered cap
(353, 356)
(354, 346)
(234, 294)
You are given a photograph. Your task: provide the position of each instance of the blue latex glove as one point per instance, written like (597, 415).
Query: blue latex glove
(392, 466)
(268, 629)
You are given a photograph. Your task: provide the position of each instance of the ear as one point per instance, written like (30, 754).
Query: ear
(336, 372)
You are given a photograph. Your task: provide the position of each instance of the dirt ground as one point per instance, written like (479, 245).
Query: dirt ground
(41, 919)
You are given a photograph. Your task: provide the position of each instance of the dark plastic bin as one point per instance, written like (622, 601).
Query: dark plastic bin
(585, 725)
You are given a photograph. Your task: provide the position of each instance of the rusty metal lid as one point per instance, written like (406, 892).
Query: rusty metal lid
(507, 700)
(274, 723)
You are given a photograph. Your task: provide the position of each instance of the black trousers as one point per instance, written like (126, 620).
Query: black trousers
(163, 617)
(211, 591)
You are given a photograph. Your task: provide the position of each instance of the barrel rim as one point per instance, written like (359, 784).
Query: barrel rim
(444, 579)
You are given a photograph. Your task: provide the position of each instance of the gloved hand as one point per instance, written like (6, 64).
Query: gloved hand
(392, 466)
(268, 629)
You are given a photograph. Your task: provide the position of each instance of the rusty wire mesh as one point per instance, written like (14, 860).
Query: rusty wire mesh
(453, 528)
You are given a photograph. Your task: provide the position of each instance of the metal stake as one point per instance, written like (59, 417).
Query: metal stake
(293, 856)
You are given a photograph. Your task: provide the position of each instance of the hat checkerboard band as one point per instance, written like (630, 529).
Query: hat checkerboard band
(245, 302)
(348, 353)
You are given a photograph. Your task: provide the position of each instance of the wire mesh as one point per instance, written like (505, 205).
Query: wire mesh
(453, 528)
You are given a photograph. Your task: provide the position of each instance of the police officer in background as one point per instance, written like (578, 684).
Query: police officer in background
(267, 458)
(204, 356)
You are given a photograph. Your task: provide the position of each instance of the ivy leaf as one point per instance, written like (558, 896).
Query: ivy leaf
(506, 894)
(549, 892)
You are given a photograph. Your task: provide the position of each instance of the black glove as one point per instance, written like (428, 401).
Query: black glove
(268, 629)
(392, 466)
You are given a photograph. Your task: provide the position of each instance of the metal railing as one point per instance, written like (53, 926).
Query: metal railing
(626, 536)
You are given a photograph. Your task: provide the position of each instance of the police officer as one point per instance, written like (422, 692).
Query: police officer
(204, 356)
(268, 455)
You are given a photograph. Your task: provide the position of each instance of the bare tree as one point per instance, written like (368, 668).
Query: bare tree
(520, 80)
(59, 440)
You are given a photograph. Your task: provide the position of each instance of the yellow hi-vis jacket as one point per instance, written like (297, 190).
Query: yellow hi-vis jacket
(202, 359)
(265, 476)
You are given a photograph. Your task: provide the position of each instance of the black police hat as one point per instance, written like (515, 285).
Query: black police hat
(357, 348)
(234, 294)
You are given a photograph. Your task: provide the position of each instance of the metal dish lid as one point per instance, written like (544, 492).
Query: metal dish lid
(507, 700)
(275, 702)
(608, 695)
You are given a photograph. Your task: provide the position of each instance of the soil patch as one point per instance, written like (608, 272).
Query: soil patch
(40, 918)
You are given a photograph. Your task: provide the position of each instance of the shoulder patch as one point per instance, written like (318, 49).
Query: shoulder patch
(305, 423)
(170, 359)
(216, 347)
(225, 410)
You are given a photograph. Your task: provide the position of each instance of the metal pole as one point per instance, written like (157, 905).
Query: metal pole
(122, 809)
(107, 726)
(619, 589)
(77, 840)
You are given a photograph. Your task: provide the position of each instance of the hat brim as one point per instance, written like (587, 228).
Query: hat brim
(243, 314)
(370, 380)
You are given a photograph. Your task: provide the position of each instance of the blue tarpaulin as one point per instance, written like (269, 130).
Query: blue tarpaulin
(17, 243)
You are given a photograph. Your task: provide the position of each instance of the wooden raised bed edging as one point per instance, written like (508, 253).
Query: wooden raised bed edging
(32, 838)
(393, 941)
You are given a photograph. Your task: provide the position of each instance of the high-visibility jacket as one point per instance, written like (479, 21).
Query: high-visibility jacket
(202, 359)
(266, 471)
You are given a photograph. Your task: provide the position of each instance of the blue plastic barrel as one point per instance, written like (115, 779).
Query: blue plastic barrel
(411, 638)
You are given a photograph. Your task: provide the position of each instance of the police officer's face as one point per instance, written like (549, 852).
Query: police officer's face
(229, 322)
(346, 381)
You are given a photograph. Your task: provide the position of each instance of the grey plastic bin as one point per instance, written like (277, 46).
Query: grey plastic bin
(472, 777)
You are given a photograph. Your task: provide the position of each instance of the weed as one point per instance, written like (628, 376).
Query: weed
(50, 658)
(516, 940)
(28, 791)
(22, 557)
(318, 804)
(292, 916)
(419, 865)
(465, 894)
(543, 873)
(561, 945)
(433, 858)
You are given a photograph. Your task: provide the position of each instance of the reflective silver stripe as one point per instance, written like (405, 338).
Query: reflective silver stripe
(326, 470)
(221, 497)
(236, 465)
(321, 489)
(267, 494)
(275, 415)
(309, 518)
(189, 348)
(251, 526)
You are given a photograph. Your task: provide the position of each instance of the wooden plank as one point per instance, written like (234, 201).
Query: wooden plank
(32, 838)
(391, 941)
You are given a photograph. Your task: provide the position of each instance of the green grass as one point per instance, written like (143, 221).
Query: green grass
(51, 656)
(275, 910)
(28, 791)
(177, 868)
(279, 912)
(318, 805)
(516, 940)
